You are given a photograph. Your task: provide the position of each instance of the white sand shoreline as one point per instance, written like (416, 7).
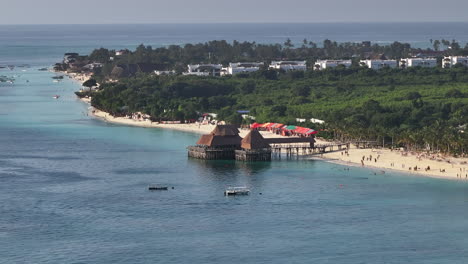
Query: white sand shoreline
(441, 167)
(388, 160)
(397, 161)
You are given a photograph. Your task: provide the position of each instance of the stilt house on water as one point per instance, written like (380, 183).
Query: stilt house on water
(220, 144)
(224, 143)
(254, 148)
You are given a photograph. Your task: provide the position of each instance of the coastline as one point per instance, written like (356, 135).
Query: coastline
(388, 160)
(401, 161)
(382, 159)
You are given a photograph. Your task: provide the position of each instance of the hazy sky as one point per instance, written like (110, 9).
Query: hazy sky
(216, 11)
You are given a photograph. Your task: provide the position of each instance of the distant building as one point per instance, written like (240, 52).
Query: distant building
(122, 52)
(451, 61)
(316, 121)
(164, 72)
(204, 69)
(418, 62)
(70, 57)
(288, 65)
(92, 66)
(324, 64)
(378, 64)
(242, 67)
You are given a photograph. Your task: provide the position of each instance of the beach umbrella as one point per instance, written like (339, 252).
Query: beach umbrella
(255, 125)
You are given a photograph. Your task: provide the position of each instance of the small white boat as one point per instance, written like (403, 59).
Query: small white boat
(236, 191)
(56, 96)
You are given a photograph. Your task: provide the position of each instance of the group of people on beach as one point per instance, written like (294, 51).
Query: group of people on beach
(369, 159)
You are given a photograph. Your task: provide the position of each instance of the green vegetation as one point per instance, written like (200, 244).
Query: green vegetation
(419, 108)
(176, 57)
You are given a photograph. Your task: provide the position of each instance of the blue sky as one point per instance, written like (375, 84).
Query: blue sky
(216, 11)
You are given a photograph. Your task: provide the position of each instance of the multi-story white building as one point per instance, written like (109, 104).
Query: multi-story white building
(288, 65)
(450, 61)
(324, 64)
(242, 67)
(415, 62)
(378, 64)
(204, 69)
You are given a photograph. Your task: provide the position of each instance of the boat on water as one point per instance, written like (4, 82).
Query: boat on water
(56, 96)
(158, 187)
(236, 191)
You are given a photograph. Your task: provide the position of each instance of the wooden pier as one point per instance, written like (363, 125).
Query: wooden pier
(305, 149)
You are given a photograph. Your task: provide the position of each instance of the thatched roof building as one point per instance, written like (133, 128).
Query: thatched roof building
(225, 130)
(254, 140)
(221, 136)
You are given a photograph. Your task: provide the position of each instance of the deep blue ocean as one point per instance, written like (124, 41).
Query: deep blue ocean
(74, 189)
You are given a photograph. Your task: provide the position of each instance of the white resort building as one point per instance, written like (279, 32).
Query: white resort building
(204, 69)
(378, 64)
(324, 64)
(165, 72)
(450, 61)
(415, 62)
(288, 65)
(242, 67)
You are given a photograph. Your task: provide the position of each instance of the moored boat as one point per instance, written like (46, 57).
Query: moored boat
(158, 187)
(236, 191)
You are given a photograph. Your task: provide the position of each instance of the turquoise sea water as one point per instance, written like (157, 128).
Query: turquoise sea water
(73, 190)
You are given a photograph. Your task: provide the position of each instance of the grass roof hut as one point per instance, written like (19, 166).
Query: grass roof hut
(254, 148)
(221, 143)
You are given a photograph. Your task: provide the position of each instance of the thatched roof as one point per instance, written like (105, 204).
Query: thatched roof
(205, 140)
(211, 140)
(254, 140)
(225, 130)
(222, 135)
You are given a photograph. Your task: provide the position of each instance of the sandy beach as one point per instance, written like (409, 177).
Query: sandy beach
(191, 128)
(379, 159)
(403, 161)
(80, 78)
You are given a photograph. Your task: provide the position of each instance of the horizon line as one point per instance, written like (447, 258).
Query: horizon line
(231, 23)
